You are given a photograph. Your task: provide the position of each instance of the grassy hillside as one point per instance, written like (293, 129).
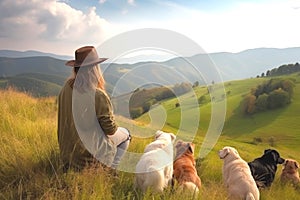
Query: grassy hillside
(36, 84)
(281, 124)
(30, 166)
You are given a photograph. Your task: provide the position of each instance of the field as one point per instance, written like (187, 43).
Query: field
(30, 167)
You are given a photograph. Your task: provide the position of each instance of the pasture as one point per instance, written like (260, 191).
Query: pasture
(30, 167)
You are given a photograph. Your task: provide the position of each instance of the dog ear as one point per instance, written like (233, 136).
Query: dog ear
(267, 151)
(280, 160)
(158, 133)
(285, 163)
(223, 152)
(173, 137)
(191, 147)
(178, 143)
(226, 151)
(296, 164)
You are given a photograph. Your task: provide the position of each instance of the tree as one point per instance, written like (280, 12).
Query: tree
(278, 98)
(196, 84)
(202, 99)
(287, 85)
(249, 104)
(136, 112)
(262, 102)
(147, 105)
(271, 94)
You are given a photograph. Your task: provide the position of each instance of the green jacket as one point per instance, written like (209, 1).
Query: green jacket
(72, 151)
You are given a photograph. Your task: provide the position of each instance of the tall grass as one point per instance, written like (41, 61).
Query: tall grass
(30, 167)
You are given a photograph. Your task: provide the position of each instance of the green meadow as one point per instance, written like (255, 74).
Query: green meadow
(30, 167)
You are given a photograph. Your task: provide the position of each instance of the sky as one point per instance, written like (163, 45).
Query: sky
(62, 26)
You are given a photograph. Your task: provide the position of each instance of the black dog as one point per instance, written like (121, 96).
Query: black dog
(263, 169)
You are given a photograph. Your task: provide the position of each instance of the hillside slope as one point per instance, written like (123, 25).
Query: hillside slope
(280, 125)
(31, 169)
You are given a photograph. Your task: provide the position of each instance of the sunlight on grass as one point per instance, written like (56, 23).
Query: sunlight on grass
(30, 167)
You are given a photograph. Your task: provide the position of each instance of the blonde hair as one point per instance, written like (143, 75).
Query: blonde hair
(88, 77)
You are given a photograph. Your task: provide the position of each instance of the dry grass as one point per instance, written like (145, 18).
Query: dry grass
(30, 166)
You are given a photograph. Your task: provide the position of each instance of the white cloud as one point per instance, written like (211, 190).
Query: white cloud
(55, 26)
(33, 24)
(102, 1)
(131, 2)
(244, 26)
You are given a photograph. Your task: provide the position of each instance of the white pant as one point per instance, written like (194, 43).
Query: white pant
(121, 139)
(120, 136)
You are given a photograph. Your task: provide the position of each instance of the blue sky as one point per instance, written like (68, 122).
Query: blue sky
(216, 25)
(126, 11)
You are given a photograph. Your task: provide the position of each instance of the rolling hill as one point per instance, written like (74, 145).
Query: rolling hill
(46, 65)
(124, 78)
(279, 124)
(36, 84)
(31, 53)
(30, 165)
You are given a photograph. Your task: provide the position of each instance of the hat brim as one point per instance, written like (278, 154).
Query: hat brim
(72, 63)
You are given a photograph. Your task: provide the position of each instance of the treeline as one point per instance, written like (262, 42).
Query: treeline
(271, 94)
(282, 70)
(142, 99)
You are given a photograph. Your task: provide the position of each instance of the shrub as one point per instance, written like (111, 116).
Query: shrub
(257, 140)
(271, 94)
(147, 105)
(278, 98)
(202, 99)
(271, 141)
(249, 104)
(136, 112)
(262, 102)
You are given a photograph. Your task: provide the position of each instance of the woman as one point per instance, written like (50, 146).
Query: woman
(87, 131)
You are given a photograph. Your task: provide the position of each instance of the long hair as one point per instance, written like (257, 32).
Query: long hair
(88, 77)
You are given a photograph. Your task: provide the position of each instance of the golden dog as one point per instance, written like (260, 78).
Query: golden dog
(184, 170)
(237, 176)
(290, 171)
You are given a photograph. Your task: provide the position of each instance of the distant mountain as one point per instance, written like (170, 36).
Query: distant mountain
(244, 64)
(202, 67)
(40, 64)
(22, 54)
(124, 78)
(253, 62)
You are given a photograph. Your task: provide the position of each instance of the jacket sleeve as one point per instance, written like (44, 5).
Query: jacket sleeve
(104, 113)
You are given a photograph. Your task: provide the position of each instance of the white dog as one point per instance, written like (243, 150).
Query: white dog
(155, 167)
(237, 175)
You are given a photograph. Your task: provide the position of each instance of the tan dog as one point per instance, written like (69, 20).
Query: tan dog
(237, 176)
(290, 171)
(184, 170)
(155, 167)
